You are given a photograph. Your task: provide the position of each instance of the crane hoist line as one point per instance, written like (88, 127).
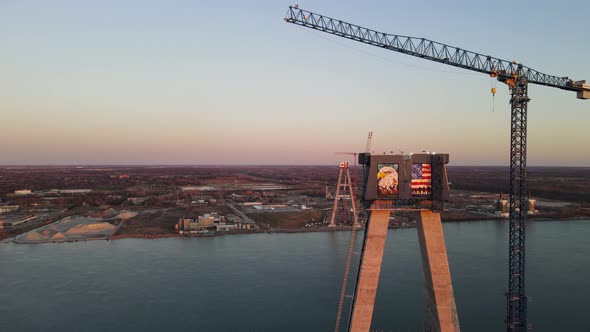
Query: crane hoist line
(517, 77)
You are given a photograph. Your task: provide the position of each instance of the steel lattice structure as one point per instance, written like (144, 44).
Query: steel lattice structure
(517, 77)
(428, 49)
(516, 298)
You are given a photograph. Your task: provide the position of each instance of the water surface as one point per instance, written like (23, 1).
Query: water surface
(284, 282)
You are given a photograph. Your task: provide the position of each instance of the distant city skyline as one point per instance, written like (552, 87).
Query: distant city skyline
(228, 82)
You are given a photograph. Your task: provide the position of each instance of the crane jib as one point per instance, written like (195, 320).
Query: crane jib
(434, 51)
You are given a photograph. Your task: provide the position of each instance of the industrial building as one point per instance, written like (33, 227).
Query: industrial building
(22, 192)
(503, 207)
(203, 224)
(243, 226)
(224, 227)
(8, 208)
(15, 220)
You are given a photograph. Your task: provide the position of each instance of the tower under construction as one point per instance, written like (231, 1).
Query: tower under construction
(345, 194)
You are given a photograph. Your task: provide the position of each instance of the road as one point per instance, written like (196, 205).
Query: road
(242, 215)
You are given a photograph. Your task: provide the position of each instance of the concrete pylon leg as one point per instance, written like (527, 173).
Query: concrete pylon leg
(440, 309)
(370, 267)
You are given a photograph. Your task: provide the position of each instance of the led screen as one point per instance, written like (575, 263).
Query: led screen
(388, 180)
(421, 180)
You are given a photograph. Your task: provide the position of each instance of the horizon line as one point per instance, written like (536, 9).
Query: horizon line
(240, 165)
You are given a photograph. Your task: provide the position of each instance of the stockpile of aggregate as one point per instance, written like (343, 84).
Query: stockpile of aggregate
(34, 237)
(126, 215)
(76, 228)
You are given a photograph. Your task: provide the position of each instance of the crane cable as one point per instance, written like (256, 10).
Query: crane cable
(345, 279)
(493, 83)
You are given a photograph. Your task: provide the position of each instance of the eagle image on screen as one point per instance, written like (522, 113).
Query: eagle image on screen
(387, 178)
(421, 180)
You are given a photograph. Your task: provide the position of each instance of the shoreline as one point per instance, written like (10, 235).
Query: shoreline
(310, 230)
(275, 230)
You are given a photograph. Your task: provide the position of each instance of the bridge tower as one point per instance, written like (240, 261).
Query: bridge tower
(417, 182)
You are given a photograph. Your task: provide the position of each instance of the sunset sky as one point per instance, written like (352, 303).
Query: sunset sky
(229, 82)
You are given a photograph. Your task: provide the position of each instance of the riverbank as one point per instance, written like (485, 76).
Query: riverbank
(406, 223)
(314, 230)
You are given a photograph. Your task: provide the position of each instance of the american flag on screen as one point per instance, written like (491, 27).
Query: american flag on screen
(421, 179)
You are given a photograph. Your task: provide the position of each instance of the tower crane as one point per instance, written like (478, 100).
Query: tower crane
(369, 139)
(517, 77)
(352, 239)
(353, 154)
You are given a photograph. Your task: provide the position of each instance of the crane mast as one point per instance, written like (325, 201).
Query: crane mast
(516, 77)
(368, 146)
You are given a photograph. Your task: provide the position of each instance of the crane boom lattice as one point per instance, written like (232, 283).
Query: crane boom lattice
(433, 51)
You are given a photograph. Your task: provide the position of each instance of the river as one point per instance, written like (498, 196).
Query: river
(284, 282)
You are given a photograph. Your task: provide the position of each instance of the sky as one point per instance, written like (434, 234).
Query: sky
(229, 82)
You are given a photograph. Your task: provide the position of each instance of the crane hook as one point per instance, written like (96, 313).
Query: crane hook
(493, 84)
